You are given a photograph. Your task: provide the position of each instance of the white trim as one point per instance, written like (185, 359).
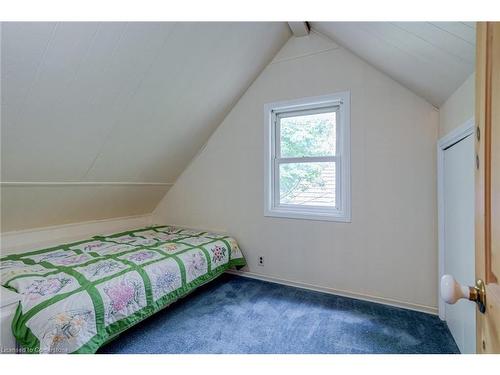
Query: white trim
(30, 239)
(449, 139)
(338, 292)
(86, 183)
(457, 134)
(341, 213)
(308, 159)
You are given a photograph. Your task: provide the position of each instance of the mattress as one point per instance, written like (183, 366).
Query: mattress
(78, 296)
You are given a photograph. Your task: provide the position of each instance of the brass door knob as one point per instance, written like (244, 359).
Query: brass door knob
(452, 291)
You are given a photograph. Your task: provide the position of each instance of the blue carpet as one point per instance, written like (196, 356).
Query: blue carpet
(239, 315)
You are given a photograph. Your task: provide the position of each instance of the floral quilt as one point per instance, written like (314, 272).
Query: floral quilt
(78, 296)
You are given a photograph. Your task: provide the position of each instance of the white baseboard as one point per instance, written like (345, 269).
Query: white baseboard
(38, 238)
(385, 301)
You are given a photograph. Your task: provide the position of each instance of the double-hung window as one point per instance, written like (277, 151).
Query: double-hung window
(308, 158)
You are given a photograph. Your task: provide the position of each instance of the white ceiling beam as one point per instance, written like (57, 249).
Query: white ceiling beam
(299, 28)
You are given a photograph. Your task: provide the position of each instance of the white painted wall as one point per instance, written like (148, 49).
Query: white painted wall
(37, 206)
(390, 248)
(458, 108)
(35, 239)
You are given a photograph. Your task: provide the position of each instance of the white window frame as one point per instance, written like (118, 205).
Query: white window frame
(340, 102)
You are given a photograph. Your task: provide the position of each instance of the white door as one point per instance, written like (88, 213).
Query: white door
(458, 195)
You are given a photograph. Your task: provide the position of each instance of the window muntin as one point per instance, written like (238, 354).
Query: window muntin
(308, 161)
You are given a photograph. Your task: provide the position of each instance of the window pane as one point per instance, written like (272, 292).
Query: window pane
(307, 184)
(309, 135)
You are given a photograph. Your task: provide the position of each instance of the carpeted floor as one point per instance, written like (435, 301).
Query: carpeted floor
(240, 315)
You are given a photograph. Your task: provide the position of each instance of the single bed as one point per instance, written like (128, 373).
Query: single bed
(76, 297)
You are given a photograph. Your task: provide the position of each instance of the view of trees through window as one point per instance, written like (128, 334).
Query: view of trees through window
(312, 182)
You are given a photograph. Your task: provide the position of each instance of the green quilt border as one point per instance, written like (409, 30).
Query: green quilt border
(31, 344)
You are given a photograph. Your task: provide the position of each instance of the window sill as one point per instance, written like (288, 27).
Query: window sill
(341, 217)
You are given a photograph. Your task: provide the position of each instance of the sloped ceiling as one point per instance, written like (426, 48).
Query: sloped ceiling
(98, 119)
(430, 58)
